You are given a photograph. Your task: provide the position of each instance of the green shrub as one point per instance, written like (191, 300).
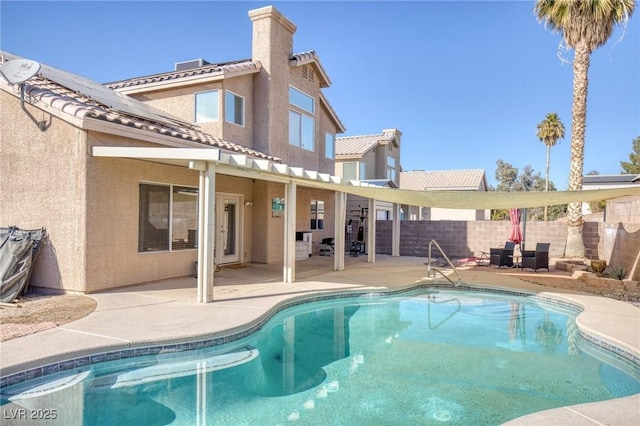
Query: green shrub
(617, 272)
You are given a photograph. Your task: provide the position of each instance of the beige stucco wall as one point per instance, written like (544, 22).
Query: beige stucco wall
(42, 184)
(268, 231)
(371, 172)
(112, 226)
(112, 229)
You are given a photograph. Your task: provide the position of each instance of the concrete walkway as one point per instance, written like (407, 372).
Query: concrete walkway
(166, 312)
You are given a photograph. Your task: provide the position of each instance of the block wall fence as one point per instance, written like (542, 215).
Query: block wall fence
(617, 243)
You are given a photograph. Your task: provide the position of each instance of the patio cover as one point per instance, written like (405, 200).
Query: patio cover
(212, 161)
(242, 165)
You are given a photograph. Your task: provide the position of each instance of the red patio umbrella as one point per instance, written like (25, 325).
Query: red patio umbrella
(515, 235)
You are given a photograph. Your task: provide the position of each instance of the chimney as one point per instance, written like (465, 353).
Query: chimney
(272, 46)
(394, 132)
(272, 35)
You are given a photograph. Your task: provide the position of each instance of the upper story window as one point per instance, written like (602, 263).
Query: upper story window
(329, 145)
(391, 168)
(301, 100)
(349, 171)
(301, 123)
(363, 170)
(234, 108)
(301, 130)
(207, 106)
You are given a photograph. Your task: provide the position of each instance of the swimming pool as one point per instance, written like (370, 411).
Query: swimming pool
(422, 357)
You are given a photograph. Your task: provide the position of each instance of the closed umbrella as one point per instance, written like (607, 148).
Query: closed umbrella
(515, 235)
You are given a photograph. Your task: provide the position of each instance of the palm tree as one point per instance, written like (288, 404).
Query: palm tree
(585, 25)
(549, 131)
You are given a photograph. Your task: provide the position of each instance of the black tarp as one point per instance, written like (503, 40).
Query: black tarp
(18, 252)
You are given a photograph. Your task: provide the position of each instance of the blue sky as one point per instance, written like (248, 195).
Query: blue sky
(466, 82)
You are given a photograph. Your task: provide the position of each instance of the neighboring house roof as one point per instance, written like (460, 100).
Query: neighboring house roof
(79, 98)
(380, 182)
(357, 146)
(444, 180)
(609, 181)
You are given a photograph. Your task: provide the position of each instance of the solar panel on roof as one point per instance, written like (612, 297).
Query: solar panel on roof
(104, 95)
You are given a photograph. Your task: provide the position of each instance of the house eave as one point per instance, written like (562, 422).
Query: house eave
(186, 81)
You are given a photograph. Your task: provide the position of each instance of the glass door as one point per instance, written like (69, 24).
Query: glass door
(228, 220)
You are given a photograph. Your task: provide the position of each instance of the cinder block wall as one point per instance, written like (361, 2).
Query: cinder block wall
(617, 243)
(462, 239)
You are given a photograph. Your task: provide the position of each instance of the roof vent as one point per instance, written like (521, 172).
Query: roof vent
(307, 73)
(194, 63)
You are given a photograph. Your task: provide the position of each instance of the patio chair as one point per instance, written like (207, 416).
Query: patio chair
(327, 246)
(502, 256)
(536, 259)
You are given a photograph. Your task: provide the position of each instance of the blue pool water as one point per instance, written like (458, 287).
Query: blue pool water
(423, 357)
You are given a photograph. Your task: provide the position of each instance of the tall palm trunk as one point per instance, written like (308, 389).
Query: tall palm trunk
(546, 185)
(575, 244)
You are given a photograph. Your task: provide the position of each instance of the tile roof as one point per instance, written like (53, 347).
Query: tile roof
(226, 68)
(90, 100)
(360, 145)
(444, 180)
(308, 57)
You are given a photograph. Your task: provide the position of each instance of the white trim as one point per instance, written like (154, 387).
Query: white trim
(206, 154)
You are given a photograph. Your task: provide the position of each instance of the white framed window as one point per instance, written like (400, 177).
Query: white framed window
(301, 100)
(329, 145)
(363, 171)
(349, 171)
(301, 120)
(317, 214)
(301, 130)
(207, 106)
(233, 108)
(391, 168)
(167, 218)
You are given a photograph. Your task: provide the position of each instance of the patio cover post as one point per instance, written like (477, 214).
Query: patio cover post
(206, 232)
(371, 232)
(289, 267)
(395, 231)
(340, 218)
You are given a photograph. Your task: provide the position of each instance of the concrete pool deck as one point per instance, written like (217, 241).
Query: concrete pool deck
(166, 312)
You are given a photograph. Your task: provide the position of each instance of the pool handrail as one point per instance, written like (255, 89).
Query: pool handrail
(430, 268)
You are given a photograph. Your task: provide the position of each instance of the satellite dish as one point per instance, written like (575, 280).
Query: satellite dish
(18, 71)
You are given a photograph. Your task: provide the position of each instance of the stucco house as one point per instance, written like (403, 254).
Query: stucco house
(625, 209)
(372, 160)
(129, 178)
(444, 180)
